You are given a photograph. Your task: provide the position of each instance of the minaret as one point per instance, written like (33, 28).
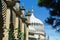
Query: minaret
(28, 14)
(21, 22)
(16, 7)
(22, 25)
(22, 9)
(32, 10)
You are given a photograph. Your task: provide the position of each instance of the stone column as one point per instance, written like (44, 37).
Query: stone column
(6, 28)
(21, 25)
(16, 28)
(27, 33)
(22, 29)
(3, 9)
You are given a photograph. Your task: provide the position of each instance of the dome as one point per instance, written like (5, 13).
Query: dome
(33, 27)
(36, 25)
(33, 19)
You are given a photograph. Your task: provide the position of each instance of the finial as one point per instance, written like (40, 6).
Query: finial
(22, 8)
(23, 4)
(28, 12)
(32, 9)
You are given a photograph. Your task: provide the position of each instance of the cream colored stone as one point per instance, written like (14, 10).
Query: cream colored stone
(27, 33)
(6, 31)
(16, 28)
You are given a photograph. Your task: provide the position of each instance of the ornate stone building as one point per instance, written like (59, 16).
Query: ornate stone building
(14, 25)
(36, 28)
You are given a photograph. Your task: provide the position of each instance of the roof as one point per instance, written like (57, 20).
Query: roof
(33, 19)
(36, 25)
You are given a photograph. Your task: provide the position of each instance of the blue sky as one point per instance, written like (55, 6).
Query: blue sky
(41, 13)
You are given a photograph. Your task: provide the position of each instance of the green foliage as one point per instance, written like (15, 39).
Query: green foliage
(54, 13)
(11, 34)
(40, 2)
(6, 29)
(50, 20)
(39, 38)
(21, 36)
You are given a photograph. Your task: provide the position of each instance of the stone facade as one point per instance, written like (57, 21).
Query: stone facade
(13, 23)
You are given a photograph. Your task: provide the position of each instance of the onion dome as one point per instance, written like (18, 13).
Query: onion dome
(36, 25)
(33, 19)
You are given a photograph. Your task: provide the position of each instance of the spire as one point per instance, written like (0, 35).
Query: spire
(28, 11)
(32, 10)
